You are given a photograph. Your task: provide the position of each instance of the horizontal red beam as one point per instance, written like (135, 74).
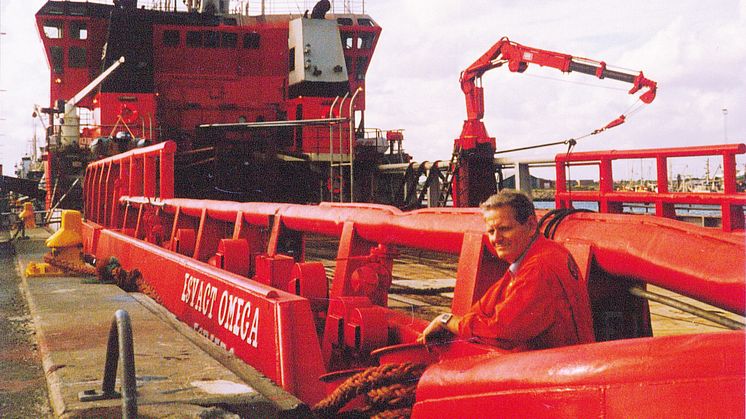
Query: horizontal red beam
(695, 151)
(623, 244)
(652, 197)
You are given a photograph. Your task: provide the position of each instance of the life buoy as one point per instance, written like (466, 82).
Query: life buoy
(128, 114)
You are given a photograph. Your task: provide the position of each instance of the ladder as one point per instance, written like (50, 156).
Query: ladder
(448, 180)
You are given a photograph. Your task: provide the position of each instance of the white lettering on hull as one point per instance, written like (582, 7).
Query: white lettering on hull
(234, 314)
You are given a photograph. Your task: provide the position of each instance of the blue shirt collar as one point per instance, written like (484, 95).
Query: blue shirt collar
(513, 268)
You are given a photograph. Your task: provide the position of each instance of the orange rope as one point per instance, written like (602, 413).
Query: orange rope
(80, 268)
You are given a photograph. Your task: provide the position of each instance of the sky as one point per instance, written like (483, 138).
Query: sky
(694, 50)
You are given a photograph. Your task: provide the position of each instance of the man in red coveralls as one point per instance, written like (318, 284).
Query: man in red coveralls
(539, 303)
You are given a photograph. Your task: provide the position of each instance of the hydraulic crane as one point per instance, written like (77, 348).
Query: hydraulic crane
(473, 155)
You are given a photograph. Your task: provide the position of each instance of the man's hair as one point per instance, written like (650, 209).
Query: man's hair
(521, 203)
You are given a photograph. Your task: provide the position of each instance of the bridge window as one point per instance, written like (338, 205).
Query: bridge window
(56, 55)
(344, 21)
(78, 30)
(211, 38)
(171, 38)
(346, 40)
(229, 40)
(194, 39)
(76, 57)
(366, 40)
(251, 40)
(361, 64)
(53, 29)
(76, 9)
(364, 22)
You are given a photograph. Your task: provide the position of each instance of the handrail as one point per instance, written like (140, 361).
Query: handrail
(133, 173)
(119, 347)
(351, 115)
(731, 201)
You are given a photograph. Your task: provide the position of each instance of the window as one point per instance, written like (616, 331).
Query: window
(56, 9)
(53, 29)
(361, 64)
(364, 22)
(78, 30)
(346, 40)
(76, 9)
(251, 40)
(57, 59)
(211, 39)
(76, 57)
(229, 40)
(291, 56)
(344, 21)
(171, 38)
(194, 39)
(366, 40)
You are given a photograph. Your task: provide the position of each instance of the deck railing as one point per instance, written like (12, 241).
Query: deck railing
(145, 172)
(730, 200)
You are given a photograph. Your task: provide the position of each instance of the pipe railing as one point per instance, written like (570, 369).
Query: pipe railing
(730, 201)
(146, 172)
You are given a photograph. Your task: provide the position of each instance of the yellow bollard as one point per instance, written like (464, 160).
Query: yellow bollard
(66, 245)
(70, 232)
(27, 215)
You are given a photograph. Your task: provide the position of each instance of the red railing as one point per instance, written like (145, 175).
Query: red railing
(730, 201)
(238, 274)
(147, 172)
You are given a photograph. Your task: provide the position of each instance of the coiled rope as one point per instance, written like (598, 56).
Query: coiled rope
(389, 391)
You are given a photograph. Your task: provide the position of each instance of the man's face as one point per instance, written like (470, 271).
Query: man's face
(509, 237)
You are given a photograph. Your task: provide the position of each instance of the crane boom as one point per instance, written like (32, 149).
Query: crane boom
(518, 57)
(474, 179)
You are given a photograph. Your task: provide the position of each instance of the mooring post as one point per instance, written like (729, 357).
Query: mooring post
(119, 348)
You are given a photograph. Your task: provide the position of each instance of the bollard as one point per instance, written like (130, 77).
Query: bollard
(119, 349)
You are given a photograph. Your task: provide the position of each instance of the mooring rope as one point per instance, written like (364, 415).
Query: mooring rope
(389, 391)
(111, 271)
(81, 268)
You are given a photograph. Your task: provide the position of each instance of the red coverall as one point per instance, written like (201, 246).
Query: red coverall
(542, 305)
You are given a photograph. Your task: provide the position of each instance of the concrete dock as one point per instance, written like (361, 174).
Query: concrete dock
(179, 373)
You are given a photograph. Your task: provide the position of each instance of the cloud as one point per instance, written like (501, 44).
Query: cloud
(25, 79)
(692, 49)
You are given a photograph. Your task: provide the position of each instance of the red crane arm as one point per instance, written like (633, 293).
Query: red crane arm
(518, 57)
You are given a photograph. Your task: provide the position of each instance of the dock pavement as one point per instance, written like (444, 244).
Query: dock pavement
(179, 373)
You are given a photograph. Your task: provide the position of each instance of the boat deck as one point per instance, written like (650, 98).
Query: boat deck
(179, 372)
(423, 284)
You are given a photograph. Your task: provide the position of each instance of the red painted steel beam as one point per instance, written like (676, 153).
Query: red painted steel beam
(699, 262)
(702, 198)
(709, 150)
(702, 375)
(624, 244)
(264, 326)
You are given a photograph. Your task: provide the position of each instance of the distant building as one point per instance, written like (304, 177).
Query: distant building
(536, 183)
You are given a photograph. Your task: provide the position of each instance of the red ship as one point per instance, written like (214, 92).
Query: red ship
(267, 107)
(270, 108)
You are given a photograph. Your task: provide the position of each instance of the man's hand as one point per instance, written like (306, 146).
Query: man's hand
(443, 324)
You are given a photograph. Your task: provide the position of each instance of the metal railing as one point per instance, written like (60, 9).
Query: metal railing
(730, 200)
(265, 7)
